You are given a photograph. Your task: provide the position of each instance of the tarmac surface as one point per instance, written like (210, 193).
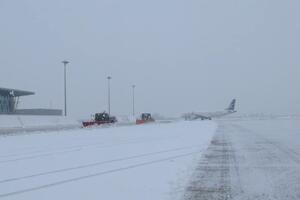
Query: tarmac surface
(255, 159)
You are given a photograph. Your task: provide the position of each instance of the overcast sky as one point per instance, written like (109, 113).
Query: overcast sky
(183, 55)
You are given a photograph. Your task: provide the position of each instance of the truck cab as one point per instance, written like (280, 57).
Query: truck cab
(145, 118)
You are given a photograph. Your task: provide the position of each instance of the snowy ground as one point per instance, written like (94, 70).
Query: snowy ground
(250, 160)
(133, 162)
(11, 124)
(238, 159)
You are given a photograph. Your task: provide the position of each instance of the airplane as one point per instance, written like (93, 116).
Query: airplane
(210, 115)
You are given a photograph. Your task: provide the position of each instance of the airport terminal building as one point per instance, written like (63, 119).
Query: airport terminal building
(9, 99)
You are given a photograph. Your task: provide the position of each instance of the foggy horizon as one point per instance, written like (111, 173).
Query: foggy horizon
(182, 56)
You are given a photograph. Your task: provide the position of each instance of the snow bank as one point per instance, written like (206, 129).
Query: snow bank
(27, 121)
(146, 162)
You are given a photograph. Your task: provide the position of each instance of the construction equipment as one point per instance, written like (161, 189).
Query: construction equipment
(99, 119)
(145, 118)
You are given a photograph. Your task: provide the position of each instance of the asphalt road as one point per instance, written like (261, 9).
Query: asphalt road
(250, 160)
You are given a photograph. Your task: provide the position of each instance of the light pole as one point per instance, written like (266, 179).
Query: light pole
(65, 83)
(133, 100)
(109, 78)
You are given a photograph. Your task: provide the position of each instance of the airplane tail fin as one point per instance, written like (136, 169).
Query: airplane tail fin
(231, 106)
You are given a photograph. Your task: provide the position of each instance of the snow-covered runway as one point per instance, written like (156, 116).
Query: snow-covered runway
(136, 162)
(236, 159)
(250, 159)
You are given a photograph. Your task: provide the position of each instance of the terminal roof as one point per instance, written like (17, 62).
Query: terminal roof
(14, 92)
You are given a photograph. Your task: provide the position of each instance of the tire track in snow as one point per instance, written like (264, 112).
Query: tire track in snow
(211, 179)
(93, 164)
(124, 141)
(79, 178)
(63, 148)
(291, 154)
(38, 156)
(80, 148)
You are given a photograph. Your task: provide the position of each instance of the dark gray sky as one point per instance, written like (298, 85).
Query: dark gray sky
(183, 55)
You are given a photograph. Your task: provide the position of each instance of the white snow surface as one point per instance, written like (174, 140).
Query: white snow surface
(150, 161)
(250, 159)
(29, 121)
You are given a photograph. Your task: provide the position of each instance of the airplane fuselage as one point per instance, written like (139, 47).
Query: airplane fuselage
(210, 115)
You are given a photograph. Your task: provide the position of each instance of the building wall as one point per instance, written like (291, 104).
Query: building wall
(39, 111)
(5, 104)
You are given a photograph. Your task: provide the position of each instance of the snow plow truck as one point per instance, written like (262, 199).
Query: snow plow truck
(99, 119)
(145, 118)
